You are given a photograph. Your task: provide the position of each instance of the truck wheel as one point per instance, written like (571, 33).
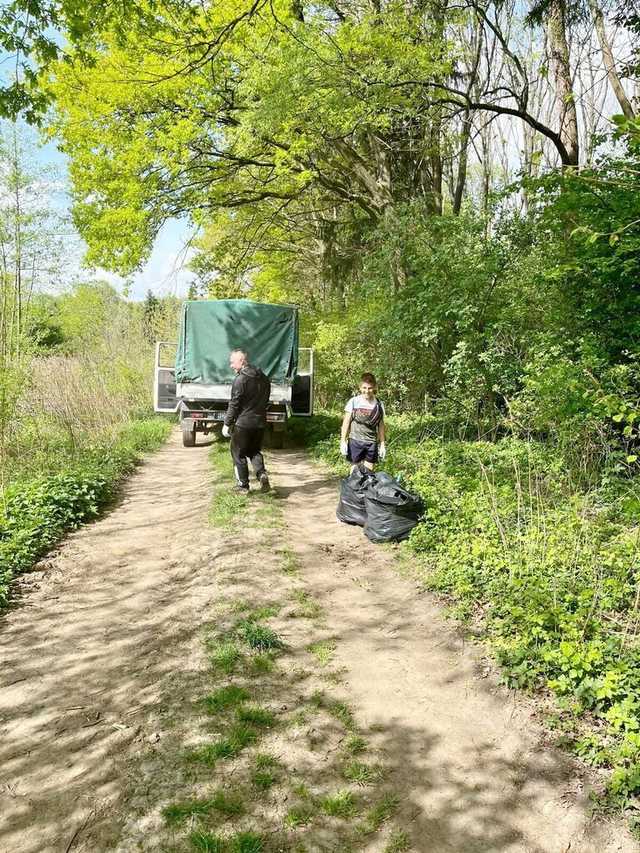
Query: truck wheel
(188, 434)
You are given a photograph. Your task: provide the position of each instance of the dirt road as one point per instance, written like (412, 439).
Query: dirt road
(104, 625)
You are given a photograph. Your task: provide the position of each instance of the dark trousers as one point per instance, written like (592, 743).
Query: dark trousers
(246, 444)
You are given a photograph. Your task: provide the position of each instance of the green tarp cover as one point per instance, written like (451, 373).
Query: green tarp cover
(210, 329)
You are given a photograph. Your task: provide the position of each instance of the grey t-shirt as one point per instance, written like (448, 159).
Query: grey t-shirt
(361, 407)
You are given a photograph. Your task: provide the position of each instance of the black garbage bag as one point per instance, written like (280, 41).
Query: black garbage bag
(351, 508)
(391, 511)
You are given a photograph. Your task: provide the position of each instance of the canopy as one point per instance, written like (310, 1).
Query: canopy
(210, 329)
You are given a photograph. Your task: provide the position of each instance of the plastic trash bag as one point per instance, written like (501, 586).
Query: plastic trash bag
(351, 508)
(391, 511)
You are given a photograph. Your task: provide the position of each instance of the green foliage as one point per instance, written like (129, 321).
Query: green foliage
(37, 513)
(547, 559)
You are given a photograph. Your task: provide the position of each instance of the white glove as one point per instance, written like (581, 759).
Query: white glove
(344, 448)
(382, 451)
(226, 432)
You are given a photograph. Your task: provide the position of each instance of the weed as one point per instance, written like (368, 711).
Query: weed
(242, 842)
(261, 663)
(224, 655)
(378, 814)
(343, 804)
(398, 842)
(355, 745)
(223, 698)
(246, 842)
(363, 774)
(263, 779)
(227, 804)
(301, 790)
(255, 716)
(264, 761)
(226, 507)
(299, 815)
(323, 651)
(238, 737)
(290, 564)
(343, 713)
(307, 607)
(207, 843)
(177, 813)
(257, 636)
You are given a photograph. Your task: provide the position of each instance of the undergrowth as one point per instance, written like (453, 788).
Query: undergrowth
(37, 512)
(543, 559)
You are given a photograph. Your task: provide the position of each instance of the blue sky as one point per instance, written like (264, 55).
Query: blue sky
(164, 274)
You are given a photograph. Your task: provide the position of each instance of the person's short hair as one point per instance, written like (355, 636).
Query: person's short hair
(369, 378)
(242, 352)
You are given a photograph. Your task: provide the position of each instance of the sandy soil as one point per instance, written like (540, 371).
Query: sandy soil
(107, 620)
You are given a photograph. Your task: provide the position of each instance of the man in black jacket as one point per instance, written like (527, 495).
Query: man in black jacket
(247, 414)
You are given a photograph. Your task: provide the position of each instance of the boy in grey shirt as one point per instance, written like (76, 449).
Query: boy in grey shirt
(362, 437)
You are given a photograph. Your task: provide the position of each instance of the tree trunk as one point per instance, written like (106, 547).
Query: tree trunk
(609, 61)
(556, 26)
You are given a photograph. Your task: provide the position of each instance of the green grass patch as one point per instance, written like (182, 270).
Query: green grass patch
(355, 745)
(257, 636)
(225, 508)
(323, 651)
(362, 774)
(224, 655)
(224, 698)
(241, 842)
(342, 804)
(398, 842)
(307, 606)
(374, 817)
(225, 803)
(300, 815)
(261, 663)
(237, 738)
(255, 716)
(290, 564)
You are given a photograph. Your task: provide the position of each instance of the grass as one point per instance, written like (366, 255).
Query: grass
(255, 716)
(258, 637)
(355, 745)
(398, 842)
(224, 698)
(265, 772)
(307, 607)
(342, 804)
(362, 774)
(224, 655)
(241, 842)
(323, 651)
(378, 814)
(238, 737)
(290, 564)
(226, 507)
(227, 804)
(299, 815)
(261, 664)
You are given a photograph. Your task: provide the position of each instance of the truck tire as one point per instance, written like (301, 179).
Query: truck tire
(188, 434)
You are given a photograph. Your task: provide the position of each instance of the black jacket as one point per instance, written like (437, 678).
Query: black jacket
(249, 399)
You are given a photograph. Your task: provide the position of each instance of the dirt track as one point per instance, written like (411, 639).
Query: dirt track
(106, 622)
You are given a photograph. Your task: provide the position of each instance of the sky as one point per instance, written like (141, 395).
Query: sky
(166, 271)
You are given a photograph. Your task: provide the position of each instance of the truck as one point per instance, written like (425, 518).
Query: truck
(193, 376)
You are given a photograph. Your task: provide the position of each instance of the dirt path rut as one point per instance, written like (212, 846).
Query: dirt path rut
(97, 631)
